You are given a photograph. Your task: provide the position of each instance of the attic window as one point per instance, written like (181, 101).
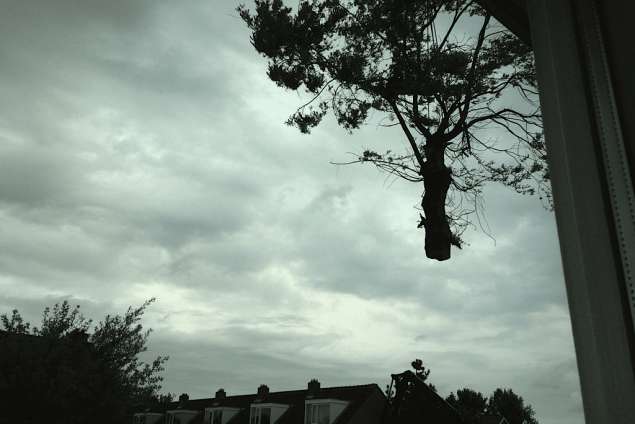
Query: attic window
(260, 415)
(323, 411)
(216, 417)
(317, 413)
(180, 416)
(219, 415)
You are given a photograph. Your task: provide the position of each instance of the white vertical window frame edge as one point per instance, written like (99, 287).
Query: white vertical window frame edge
(616, 165)
(591, 264)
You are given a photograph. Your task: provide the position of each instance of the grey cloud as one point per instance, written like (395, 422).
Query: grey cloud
(143, 153)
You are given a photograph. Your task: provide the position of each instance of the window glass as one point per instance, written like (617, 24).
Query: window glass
(254, 417)
(217, 417)
(311, 414)
(323, 414)
(317, 414)
(265, 415)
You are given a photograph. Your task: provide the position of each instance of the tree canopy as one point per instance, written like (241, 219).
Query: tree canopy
(63, 372)
(511, 406)
(451, 92)
(472, 406)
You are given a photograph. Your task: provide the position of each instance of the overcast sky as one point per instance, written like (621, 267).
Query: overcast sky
(143, 153)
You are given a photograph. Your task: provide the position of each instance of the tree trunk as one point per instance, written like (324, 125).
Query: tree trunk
(436, 180)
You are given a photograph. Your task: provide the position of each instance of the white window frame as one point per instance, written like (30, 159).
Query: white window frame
(336, 407)
(255, 414)
(171, 415)
(227, 413)
(213, 413)
(311, 413)
(276, 411)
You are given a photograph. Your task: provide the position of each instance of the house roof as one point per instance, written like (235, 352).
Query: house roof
(419, 403)
(295, 399)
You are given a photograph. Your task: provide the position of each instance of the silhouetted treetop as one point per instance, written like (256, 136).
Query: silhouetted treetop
(443, 87)
(470, 404)
(474, 408)
(511, 406)
(73, 373)
(15, 324)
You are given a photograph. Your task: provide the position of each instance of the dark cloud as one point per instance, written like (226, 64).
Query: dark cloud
(144, 154)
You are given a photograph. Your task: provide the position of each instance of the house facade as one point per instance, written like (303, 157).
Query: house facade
(413, 402)
(365, 404)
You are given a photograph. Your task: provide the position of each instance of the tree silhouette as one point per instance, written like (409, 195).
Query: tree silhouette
(422, 372)
(511, 406)
(15, 324)
(443, 88)
(472, 406)
(72, 375)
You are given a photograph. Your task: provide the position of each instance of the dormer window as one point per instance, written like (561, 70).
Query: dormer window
(266, 413)
(180, 416)
(323, 411)
(317, 413)
(219, 415)
(260, 415)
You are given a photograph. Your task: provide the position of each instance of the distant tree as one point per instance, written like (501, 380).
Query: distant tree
(405, 59)
(470, 404)
(511, 406)
(422, 372)
(389, 392)
(15, 324)
(61, 320)
(160, 401)
(73, 375)
(119, 340)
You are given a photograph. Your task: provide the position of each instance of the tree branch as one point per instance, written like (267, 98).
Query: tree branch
(415, 115)
(406, 130)
(501, 114)
(458, 127)
(457, 15)
(316, 96)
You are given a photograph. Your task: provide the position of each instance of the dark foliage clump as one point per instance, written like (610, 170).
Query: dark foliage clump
(61, 372)
(406, 59)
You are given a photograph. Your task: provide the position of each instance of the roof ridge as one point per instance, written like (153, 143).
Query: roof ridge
(228, 396)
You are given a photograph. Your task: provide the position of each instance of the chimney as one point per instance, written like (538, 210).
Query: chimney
(220, 394)
(313, 387)
(183, 400)
(263, 391)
